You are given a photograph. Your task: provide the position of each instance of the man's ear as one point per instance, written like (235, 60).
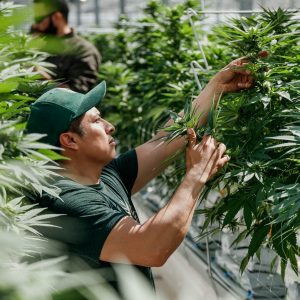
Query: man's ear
(57, 18)
(68, 140)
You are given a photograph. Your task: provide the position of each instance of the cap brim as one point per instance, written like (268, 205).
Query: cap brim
(92, 98)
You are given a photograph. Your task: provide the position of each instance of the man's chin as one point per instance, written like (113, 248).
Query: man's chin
(111, 158)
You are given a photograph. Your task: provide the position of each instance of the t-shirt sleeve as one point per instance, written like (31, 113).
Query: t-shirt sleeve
(126, 166)
(88, 221)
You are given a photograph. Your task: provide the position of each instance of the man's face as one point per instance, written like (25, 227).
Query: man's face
(96, 144)
(46, 26)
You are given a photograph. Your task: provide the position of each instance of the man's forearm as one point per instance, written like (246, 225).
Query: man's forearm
(156, 151)
(173, 220)
(202, 104)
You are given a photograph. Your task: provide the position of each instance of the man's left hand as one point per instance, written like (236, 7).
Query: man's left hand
(233, 77)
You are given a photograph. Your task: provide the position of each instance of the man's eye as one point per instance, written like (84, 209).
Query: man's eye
(98, 120)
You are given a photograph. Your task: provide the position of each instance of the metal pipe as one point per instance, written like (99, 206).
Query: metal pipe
(215, 12)
(97, 18)
(190, 13)
(122, 7)
(218, 5)
(195, 65)
(245, 5)
(78, 12)
(202, 3)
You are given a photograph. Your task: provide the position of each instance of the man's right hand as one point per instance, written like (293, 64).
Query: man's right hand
(43, 73)
(167, 228)
(205, 159)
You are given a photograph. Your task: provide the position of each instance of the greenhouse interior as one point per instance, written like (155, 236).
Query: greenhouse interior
(182, 184)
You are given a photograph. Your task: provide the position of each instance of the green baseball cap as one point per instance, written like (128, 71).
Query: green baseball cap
(45, 8)
(54, 111)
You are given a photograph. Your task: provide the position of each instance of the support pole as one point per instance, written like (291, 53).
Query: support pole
(245, 5)
(218, 6)
(78, 12)
(122, 7)
(97, 10)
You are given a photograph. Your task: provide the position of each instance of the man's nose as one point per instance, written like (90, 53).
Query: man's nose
(110, 129)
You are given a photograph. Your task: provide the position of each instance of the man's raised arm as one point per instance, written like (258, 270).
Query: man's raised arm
(152, 155)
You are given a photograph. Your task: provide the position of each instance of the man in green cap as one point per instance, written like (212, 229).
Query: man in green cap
(76, 61)
(102, 226)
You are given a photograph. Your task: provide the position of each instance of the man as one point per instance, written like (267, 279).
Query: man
(96, 187)
(76, 61)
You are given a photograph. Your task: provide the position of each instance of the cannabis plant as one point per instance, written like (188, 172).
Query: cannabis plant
(152, 75)
(27, 270)
(261, 180)
(259, 126)
(26, 166)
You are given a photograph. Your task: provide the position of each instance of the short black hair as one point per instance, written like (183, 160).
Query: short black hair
(76, 126)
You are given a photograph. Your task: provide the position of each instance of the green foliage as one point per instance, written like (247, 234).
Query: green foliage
(190, 119)
(259, 126)
(112, 46)
(26, 166)
(181, 124)
(27, 269)
(22, 166)
(263, 171)
(151, 74)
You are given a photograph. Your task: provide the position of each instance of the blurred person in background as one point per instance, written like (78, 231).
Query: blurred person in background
(75, 60)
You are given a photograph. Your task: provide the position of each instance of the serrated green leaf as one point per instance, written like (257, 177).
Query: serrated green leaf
(247, 215)
(232, 211)
(283, 265)
(244, 263)
(258, 237)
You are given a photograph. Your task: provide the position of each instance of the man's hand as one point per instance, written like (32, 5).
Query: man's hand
(234, 76)
(205, 159)
(167, 228)
(42, 72)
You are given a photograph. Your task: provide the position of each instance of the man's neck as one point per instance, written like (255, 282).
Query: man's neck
(83, 174)
(64, 30)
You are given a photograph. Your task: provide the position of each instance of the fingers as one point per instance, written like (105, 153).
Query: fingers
(239, 65)
(240, 61)
(221, 149)
(220, 159)
(245, 82)
(192, 138)
(263, 54)
(238, 69)
(221, 163)
(205, 158)
(225, 159)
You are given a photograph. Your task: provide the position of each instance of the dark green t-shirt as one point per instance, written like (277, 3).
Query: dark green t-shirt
(93, 211)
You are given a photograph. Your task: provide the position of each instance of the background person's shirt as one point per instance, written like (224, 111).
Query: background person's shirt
(93, 211)
(76, 62)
